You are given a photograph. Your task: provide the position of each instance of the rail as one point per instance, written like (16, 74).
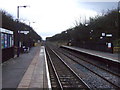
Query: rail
(65, 75)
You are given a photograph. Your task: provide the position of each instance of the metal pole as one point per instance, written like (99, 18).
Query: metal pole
(119, 19)
(18, 51)
(17, 12)
(18, 33)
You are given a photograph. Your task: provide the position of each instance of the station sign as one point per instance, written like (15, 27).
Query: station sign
(109, 45)
(108, 35)
(103, 34)
(24, 32)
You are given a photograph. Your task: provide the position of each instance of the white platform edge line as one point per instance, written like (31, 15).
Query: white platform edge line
(48, 76)
(98, 55)
(93, 54)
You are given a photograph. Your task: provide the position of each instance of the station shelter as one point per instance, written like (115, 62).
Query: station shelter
(7, 44)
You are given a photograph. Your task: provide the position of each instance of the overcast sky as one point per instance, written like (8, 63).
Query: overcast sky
(53, 16)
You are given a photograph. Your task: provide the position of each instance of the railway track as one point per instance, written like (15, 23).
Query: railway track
(114, 69)
(62, 76)
(92, 62)
(88, 65)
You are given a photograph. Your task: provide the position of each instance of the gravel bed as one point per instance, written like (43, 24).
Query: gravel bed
(65, 75)
(90, 78)
(96, 62)
(114, 79)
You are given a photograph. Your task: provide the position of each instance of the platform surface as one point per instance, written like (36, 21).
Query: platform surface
(29, 70)
(14, 69)
(110, 56)
(36, 75)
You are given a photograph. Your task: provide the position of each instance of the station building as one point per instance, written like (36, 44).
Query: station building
(10, 39)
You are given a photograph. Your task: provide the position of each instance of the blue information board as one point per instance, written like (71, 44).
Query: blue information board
(2, 40)
(6, 38)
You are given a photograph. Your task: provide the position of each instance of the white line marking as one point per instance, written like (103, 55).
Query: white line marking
(115, 60)
(48, 76)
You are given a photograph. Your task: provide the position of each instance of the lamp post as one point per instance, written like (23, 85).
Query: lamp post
(18, 10)
(30, 23)
(119, 19)
(17, 31)
(30, 35)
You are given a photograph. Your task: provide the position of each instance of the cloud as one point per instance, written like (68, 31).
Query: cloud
(51, 16)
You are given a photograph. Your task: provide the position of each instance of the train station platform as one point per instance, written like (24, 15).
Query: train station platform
(29, 73)
(109, 56)
(37, 75)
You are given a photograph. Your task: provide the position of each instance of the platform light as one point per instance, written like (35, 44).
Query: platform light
(101, 37)
(86, 24)
(91, 30)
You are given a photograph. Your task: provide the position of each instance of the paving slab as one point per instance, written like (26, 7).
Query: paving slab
(14, 69)
(37, 75)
